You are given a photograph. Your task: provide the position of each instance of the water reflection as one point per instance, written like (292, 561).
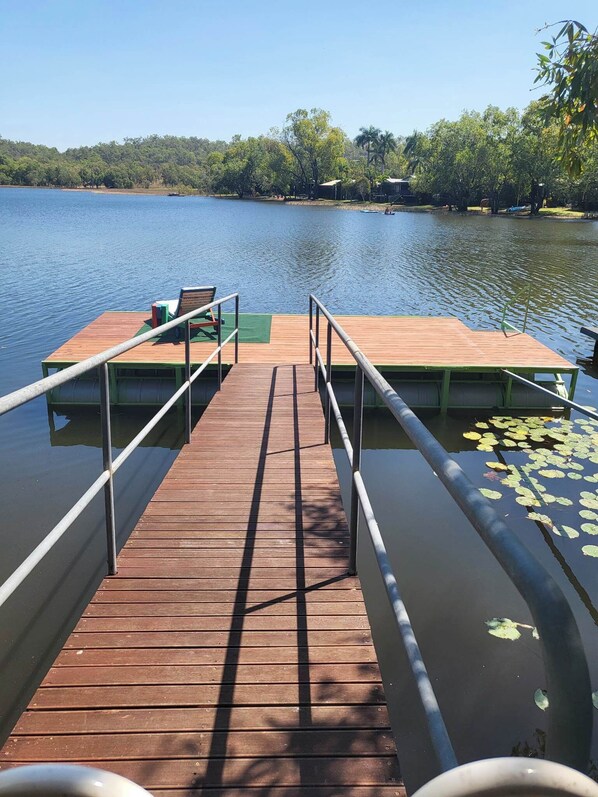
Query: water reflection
(35, 491)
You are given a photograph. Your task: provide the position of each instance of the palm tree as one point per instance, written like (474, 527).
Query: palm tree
(368, 139)
(412, 149)
(386, 143)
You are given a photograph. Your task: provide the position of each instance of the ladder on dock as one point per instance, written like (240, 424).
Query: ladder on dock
(230, 651)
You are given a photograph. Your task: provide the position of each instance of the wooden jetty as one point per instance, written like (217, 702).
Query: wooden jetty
(232, 654)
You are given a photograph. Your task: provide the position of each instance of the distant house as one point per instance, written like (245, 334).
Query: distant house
(397, 189)
(331, 190)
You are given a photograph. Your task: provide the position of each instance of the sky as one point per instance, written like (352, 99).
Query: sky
(75, 72)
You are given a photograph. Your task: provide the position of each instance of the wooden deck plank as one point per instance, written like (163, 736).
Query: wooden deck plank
(254, 673)
(202, 719)
(260, 771)
(405, 341)
(231, 654)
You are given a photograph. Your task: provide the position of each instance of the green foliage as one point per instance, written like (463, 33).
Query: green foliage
(451, 157)
(141, 162)
(569, 67)
(316, 149)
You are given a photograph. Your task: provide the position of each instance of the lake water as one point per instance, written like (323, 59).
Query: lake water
(67, 256)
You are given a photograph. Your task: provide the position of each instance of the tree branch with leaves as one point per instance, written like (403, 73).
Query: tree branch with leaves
(569, 67)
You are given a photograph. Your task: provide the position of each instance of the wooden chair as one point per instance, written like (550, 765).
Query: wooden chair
(190, 299)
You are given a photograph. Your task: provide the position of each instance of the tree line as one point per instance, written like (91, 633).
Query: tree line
(504, 156)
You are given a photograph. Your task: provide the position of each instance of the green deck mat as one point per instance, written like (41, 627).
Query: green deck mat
(253, 328)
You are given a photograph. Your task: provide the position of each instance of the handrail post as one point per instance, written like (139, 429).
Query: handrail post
(316, 364)
(355, 466)
(219, 346)
(311, 314)
(187, 379)
(104, 380)
(328, 381)
(529, 296)
(237, 328)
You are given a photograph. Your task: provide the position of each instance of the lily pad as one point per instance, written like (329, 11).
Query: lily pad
(590, 550)
(511, 480)
(589, 528)
(503, 628)
(499, 424)
(562, 501)
(493, 495)
(574, 476)
(541, 699)
(528, 501)
(497, 466)
(508, 443)
(563, 449)
(540, 518)
(568, 531)
(521, 490)
(587, 514)
(481, 425)
(552, 474)
(472, 435)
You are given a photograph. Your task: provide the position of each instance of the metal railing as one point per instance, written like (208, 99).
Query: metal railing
(508, 777)
(524, 293)
(66, 780)
(105, 480)
(567, 678)
(560, 399)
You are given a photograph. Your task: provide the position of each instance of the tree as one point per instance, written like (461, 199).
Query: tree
(414, 145)
(368, 139)
(386, 144)
(240, 167)
(450, 159)
(535, 165)
(316, 148)
(501, 128)
(570, 68)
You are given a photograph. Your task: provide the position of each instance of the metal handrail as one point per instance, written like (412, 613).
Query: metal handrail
(566, 402)
(525, 291)
(106, 479)
(66, 780)
(567, 677)
(509, 777)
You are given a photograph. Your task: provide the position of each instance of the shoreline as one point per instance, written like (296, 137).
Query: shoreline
(337, 204)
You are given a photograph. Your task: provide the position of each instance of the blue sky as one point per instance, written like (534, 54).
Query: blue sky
(80, 71)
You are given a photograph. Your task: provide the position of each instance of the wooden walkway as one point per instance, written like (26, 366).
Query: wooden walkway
(232, 654)
(408, 342)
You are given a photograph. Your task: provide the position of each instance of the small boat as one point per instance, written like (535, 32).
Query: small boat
(369, 211)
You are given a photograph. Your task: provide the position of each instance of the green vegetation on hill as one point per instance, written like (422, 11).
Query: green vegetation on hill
(137, 162)
(505, 157)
